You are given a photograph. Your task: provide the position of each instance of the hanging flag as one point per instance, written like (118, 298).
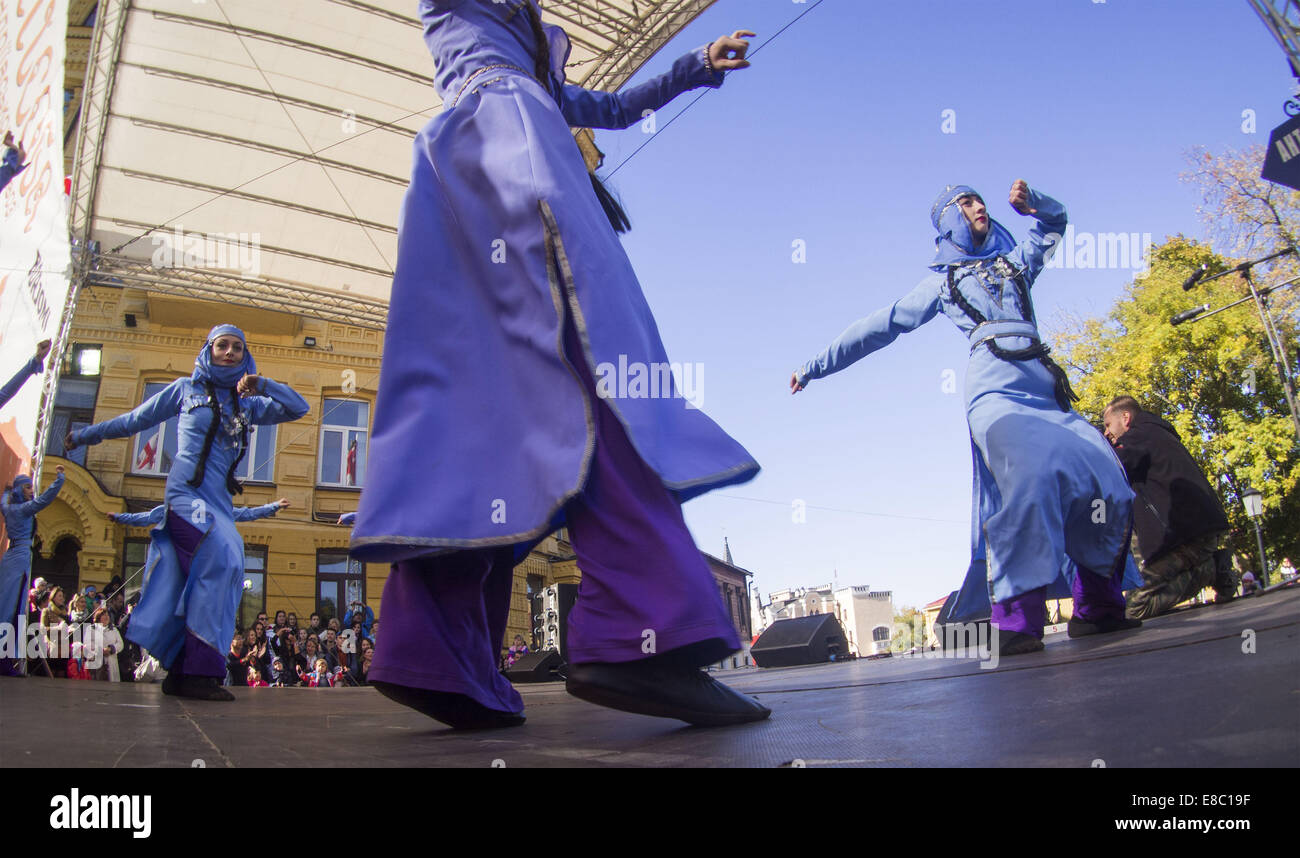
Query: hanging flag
(145, 461)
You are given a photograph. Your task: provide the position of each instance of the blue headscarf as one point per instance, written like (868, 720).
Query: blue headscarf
(955, 245)
(16, 495)
(223, 376)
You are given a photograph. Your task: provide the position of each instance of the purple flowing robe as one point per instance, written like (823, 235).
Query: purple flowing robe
(482, 430)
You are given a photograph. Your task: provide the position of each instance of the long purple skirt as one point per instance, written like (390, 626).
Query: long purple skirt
(645, 588)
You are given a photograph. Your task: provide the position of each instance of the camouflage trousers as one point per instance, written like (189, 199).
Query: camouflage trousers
(1180, 574)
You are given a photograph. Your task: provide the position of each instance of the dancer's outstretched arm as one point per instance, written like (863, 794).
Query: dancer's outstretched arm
(705, 66)
(32, 367)
(1031, 254)
(873, 332)
(252, 513)
(139, 519)
(162, 406)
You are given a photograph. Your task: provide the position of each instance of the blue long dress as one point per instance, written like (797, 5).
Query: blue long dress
(13, 572)
(1049, 493)
(207, 599)
(482, 430)
(16, 566)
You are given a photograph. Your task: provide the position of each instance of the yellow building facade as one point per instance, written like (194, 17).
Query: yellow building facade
(126, 341)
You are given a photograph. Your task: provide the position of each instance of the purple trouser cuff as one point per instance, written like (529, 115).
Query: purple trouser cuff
(1097, 597)
(1026, 613)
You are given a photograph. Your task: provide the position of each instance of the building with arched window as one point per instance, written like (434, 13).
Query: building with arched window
(866, 616)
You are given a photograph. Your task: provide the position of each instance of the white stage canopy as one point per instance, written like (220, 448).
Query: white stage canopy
(259, 149)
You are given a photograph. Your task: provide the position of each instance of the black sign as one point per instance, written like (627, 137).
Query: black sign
(1282, 162)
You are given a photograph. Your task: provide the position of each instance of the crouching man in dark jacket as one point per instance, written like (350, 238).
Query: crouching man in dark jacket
(1178, 521)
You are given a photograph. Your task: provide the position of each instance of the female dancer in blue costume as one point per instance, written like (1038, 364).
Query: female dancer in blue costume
(19, 506)
(16, 567)
(510, 289)
(1042, 472)
(186, 616)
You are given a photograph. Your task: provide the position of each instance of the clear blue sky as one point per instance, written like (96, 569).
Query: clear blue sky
(834, 136)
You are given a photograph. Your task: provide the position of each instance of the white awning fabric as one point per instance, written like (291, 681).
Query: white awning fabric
(255, 145)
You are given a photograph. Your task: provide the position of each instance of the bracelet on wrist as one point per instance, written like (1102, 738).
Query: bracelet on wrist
(708, 64)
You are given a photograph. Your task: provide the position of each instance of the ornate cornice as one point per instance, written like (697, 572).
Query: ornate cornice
(179, 343)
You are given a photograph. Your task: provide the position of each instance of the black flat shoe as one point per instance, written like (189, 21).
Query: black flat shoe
(650, 687)
(1017, 643)
(202, 688)
(454, 710)
(171, 683)
(1082, 628)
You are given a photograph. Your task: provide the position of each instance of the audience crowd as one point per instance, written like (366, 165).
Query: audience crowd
(280, 653)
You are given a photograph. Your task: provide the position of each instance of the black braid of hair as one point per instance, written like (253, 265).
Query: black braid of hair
(202, 464)
(232, 484)
(542, 52)
(613, 209)
(200, 467)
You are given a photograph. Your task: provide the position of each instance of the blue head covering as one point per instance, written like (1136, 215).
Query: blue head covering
(16, 494)
(222, 376)
(955, 245)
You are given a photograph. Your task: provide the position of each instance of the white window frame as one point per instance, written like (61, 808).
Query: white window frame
(250, 462)
(343, 430)
(172, 424)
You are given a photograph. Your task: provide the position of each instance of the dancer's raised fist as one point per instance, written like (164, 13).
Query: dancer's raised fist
(1019, 198)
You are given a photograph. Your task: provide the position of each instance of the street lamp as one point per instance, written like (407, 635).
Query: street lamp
(1254, 503)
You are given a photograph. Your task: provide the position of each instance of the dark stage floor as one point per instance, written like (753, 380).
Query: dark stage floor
(1178, 692)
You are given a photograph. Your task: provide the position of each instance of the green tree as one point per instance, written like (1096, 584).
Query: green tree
(1214, 380)
(905, 620)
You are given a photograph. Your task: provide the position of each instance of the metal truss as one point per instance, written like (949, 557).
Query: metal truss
(219, 286)
(1282, 17)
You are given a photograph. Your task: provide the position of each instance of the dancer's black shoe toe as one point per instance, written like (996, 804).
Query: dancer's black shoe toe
(1017, 643)
(652, 687)
(454, 710)
(202, 688)
(1078, 628)
(171, 683)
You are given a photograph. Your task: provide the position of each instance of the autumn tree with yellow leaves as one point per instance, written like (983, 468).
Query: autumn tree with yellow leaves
(1215, 379)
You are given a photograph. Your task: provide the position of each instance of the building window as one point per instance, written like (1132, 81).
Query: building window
(340, 581)
(74, 401)
(253, 601)
(63, 421)
(343, 438)
(536, 583)
(258, 464)
(86, 361)
(155, 449)
(133, 556)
